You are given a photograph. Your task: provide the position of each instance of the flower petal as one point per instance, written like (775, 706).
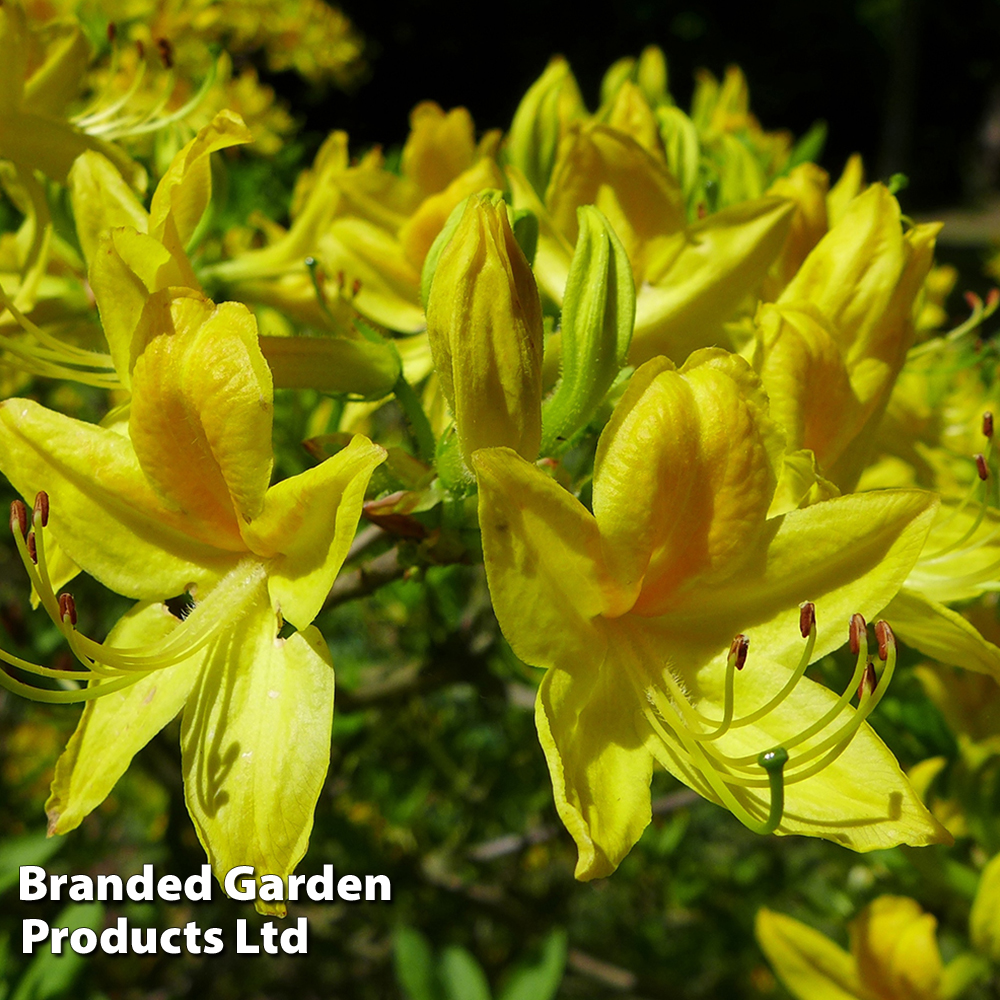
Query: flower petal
(114, 728)
(543, 560)
(599, 766)
(810, 965)
(894, 945)
(105, 516)
(722, 259)
(255, 742)
(941, 633)
(307, 525)
(201, 413)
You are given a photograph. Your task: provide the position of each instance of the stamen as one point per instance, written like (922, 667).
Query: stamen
(116, 667)
(807, 618)
(858, 629)
(738, 650)
(868, 683)
(41, 511)
(885, 637)
(166, 51)
(18, 518)
(988, 424)
(67, 608)
(981, 468)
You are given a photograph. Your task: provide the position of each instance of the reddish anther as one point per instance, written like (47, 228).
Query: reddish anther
(886, 639)
(41, 507)
(868, 682)
(166, 51)
(739, 648)
(973, 300)
(340, 279)
(112, 31)
(993, 298)
(858, 629)
(807, 618)
(140, 48)
(988, 424)
(67, 608)
(32, 548)
(355, 288)
(19, 517)
(982, 468)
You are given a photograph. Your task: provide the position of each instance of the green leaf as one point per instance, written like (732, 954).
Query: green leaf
(541, 981)
(810, 147)
(463, 976)
(31, 849)
(414, 963)
(49, 975)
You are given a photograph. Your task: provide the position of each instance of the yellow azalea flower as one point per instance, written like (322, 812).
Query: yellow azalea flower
(369, 228)
(178, 501)
(633, 611)
(832, 345)
(42, 73)
(894, 955)
(984, 920)
(689, 278)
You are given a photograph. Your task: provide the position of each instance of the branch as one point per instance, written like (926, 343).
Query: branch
(365, 579)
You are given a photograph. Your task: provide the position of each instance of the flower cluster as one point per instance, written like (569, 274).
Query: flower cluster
(679, 394)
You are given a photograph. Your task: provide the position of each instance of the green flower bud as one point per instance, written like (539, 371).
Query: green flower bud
(550, 104)
(484, 323)
(597, 319)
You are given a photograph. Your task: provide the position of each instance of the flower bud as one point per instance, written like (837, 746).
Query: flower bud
(549, 104)
(484, 322)
(597, 318)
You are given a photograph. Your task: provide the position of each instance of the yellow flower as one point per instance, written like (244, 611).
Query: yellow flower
(894, 955)
(689, 278)
(633, 610)
(369, 228)
(177, 500)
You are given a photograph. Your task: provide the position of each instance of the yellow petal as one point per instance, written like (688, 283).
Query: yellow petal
(543, 560)
(201, 414)
(896, 951)
(101, 201)
(941, 633)
(61, 76)
(684, 475)
(105, 516)
(14, 67)
(255, 743)
(183, 193)
(847, 188)
(600, 769)
(806, 185)
(115, 727)
(810, 965)
(421, 229)
(307, 525)
(722, 259)
(440, 146)
(598, 165)
(847, 554)
(984, 921)
(632, 115)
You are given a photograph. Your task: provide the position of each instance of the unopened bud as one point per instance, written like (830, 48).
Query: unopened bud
(739, 648)
(67, 608)
(988, 424)
(598, 316)
(484, 324)
(807, 618)
(982, 468)
(886, 639)
(859, 629)
(19, 517)
(41, 510)
(550, 103)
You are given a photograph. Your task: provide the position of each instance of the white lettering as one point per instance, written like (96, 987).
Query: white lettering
(349, 888)
(32, 931)
(242, 948)
(32, 883)
(247, 885)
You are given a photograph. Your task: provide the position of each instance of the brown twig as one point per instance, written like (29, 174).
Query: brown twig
(365, 579)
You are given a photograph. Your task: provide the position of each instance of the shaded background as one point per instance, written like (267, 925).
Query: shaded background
(910, 84)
